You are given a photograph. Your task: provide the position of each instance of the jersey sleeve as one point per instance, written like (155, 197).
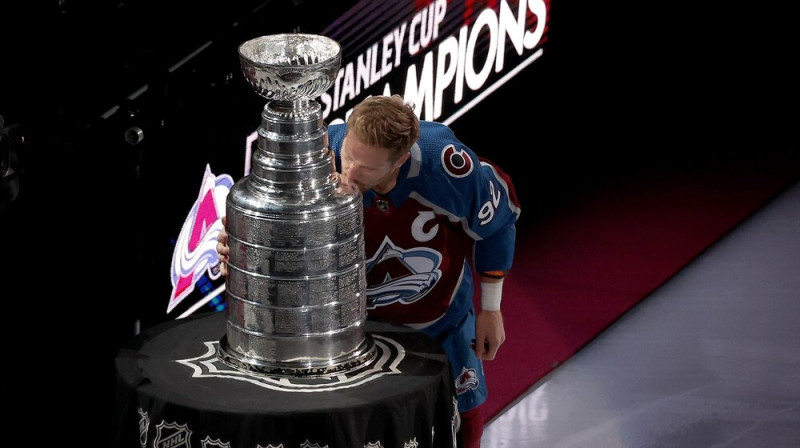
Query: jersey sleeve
(476, 192)
(495, 250)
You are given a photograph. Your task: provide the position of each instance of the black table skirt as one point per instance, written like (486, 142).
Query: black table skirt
(173, 392)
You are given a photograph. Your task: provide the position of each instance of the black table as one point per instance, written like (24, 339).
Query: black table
(173, 392)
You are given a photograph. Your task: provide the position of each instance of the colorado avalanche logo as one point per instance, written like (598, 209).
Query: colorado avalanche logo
(405, 276)
(196, 248)
(456, 162)
(467, 380)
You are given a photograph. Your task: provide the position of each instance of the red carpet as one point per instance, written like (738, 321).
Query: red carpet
(582, 265)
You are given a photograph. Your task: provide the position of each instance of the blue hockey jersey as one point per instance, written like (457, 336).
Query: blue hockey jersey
(449, 207)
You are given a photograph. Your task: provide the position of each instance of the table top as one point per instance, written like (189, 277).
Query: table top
(173, 390)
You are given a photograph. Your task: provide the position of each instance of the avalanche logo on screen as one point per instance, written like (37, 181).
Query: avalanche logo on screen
(196, 247)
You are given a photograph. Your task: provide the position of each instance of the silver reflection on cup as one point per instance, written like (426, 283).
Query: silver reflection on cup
(296, 288)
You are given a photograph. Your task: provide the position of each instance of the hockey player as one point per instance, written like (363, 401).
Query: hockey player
(434, 214)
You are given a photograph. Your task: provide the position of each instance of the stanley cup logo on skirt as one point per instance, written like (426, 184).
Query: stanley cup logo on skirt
(296, 289)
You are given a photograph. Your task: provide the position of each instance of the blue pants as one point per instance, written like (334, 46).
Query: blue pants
(470, 383)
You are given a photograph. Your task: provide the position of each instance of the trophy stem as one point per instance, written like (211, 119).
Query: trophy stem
(293, 110)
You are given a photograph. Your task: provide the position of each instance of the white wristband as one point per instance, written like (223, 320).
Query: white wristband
(491, 294)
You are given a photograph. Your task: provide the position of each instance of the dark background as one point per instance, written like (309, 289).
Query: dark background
(87, 217)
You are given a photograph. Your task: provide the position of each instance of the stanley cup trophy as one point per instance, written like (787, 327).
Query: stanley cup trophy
(296, 286)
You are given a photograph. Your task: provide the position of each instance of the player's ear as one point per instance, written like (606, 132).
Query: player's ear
(402, 159)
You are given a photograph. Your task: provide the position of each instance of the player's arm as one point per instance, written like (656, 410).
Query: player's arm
(489, 330)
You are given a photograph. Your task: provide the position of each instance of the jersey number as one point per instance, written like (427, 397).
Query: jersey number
(487, 210)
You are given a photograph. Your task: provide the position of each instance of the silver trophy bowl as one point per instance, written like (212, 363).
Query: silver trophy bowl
(296, 288)
(290, 67)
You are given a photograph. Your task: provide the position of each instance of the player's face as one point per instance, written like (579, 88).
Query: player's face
(369, 167)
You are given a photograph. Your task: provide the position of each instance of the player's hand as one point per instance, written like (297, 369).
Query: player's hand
(490, 334)
(223, 251)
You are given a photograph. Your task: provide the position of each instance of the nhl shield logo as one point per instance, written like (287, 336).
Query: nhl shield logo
(411, 443)
(172, 435)
(308, 444)
(208, 442)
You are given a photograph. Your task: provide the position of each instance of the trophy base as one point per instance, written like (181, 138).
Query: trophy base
(365, 353)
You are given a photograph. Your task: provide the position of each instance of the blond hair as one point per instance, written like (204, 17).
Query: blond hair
(386, 122)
